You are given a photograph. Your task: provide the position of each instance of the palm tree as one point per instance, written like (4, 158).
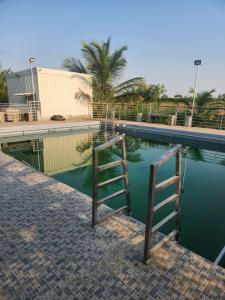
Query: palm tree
(202, 100)
(3, 87)
(105, 67)
(144, 92)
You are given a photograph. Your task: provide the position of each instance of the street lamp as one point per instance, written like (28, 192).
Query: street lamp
(31, 60)
(197, 63)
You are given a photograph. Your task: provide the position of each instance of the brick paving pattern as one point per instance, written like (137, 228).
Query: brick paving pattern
(48, 250)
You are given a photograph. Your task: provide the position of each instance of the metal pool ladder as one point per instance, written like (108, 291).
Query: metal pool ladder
(154, 188)
(96, 186)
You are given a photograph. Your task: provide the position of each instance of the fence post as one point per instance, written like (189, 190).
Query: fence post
(221, 123)
(107, 109)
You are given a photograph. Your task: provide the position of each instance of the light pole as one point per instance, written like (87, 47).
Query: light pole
(197, 63)
(31, 60)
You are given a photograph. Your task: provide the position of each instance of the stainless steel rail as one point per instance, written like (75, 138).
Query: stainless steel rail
(154, 188)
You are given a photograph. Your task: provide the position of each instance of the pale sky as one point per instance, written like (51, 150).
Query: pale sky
(163, 37)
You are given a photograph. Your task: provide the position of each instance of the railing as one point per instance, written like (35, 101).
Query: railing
(220, 257)
(17, 111)
(7, 106)
(207, 117)
(155, 187)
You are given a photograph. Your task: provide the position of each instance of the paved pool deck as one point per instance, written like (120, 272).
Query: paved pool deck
(194, 130)
(48, 249)
(38, 127)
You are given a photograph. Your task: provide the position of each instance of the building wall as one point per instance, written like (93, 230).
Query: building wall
(61, 153)
(58, 92)
(20, 82)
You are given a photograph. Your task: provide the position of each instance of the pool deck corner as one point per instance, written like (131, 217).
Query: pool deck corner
(50, 251)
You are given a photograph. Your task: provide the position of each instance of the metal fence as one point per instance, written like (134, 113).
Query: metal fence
(16, 111)
(4, 107)
(208, 117)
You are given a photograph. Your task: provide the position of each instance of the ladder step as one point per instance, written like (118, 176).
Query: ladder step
(99, 185)
(166, 183)
(164, 240)
(165, 202)
(112, 213)
(103, 200)
(164, 221)
(109, 165)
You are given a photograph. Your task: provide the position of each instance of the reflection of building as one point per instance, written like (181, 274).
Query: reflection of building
(64, 153)
(57, 92)
(53, 154)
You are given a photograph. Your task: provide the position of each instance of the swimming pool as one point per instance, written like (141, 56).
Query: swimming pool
(67, 157)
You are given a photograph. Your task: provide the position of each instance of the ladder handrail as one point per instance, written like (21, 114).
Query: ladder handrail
(109, 143)
(153, 188)
(170, 153)
(220, 256)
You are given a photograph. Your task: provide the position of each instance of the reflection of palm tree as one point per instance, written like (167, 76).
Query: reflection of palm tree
(195, 154)
(108, 155)
(191, 153)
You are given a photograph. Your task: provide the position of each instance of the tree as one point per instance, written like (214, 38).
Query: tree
(105, 66)
(178, 96)
(201, 101)
(154, 93)
(203, 98)
(221, 96)
(3, 86)
(145, 93)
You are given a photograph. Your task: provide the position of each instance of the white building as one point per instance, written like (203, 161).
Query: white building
(58, 92)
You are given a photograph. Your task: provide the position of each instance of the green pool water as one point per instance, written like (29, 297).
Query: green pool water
(68, 159)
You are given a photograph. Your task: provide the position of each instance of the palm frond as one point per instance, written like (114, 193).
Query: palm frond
(74, 65)
(89, 54)
(129, 84)
(106, 45)
(204, 97)
(185, 100)
(117, 61)
(81, 95)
